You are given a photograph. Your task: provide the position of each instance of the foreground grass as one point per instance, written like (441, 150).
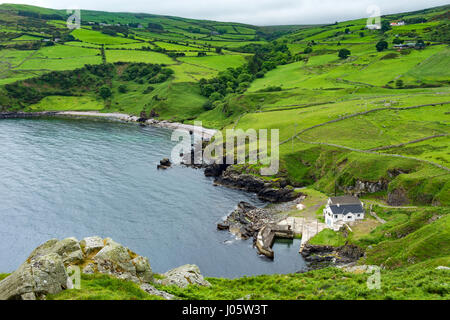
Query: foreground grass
(417, 282)
(103, 287)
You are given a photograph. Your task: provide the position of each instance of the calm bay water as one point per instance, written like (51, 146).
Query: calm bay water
(62, 178)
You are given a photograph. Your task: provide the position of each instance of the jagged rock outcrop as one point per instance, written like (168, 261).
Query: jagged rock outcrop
(184, 276)
(271, 191)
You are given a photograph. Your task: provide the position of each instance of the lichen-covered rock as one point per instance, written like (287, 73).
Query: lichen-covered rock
(69, 249)
(184, 276)
(91, 245)
(116, 260)
(44, 271)
(143, 269)
(41, 275)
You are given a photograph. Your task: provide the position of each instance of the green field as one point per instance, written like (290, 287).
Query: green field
(60, 103)
(137, 56)
(96, 37)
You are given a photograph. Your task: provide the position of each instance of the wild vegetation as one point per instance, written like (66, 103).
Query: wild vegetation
(351, 105)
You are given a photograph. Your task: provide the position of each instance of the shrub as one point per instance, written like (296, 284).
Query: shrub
(344, 53)
(105, 92)
(308, 50)
(381, 45)
(123, 88)
(149, 89)
(271, 89)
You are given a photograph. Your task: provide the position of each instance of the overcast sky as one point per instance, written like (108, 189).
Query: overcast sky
(257, 12)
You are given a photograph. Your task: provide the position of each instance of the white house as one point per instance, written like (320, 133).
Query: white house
(340, 210)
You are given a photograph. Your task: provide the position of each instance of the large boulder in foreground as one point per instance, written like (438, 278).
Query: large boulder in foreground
(41, 275)
(184, 276)
(44, 272)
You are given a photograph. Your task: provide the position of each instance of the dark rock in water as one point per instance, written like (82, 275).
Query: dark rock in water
(164, 164)
(215, 170)
(223, 226)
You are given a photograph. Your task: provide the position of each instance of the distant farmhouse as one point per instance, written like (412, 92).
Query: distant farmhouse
(340, 210)
(397, 24)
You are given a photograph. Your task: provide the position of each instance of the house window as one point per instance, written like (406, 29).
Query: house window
(335, 216)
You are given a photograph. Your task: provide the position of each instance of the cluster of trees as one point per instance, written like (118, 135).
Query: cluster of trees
(149, 73)
(194, 30)
(441, 33)
(63, 83)
(94, 78)
(236, 80)
(37, 15)
(176, 54)
(112, 30)
(155, 27)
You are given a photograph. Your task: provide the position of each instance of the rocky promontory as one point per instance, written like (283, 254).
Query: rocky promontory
(46, 270)
(267, 190)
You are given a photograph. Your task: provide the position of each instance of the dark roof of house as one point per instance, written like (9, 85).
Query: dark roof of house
(345, 200)
(347, 208)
